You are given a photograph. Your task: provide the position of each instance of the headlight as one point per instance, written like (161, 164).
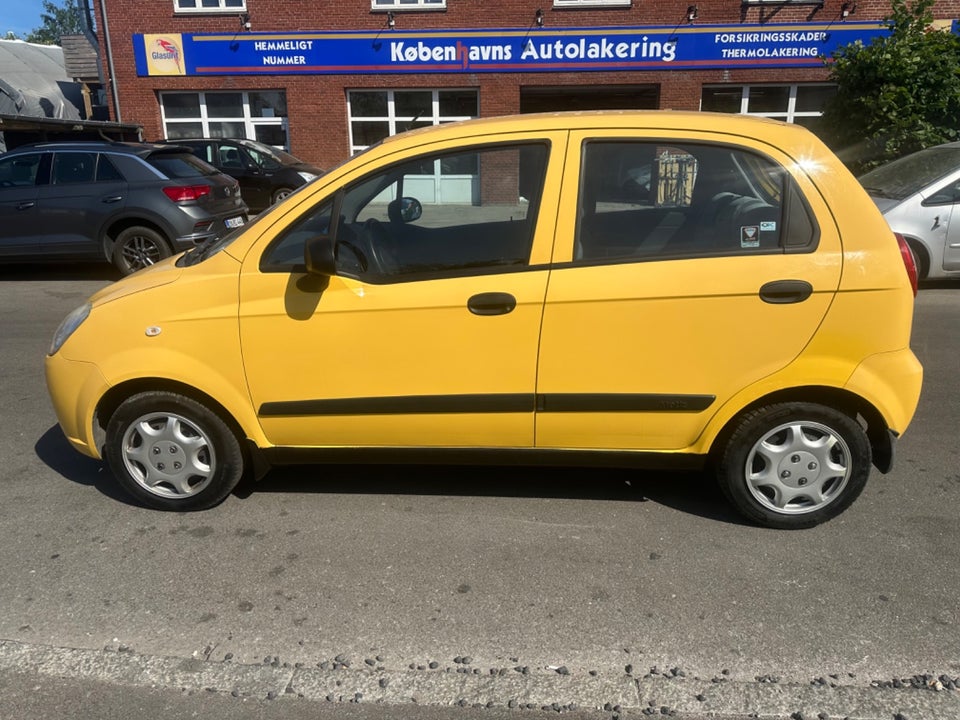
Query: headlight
(307, 177)
(70, 323)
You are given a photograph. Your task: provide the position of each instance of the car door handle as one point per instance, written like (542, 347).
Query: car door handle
(492, 303)
(112, 198)
(781, 292)
(25, 205)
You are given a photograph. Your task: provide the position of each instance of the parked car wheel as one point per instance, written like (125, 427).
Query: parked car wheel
(794, 465)
(139, 247)
(172, 453)
(280, 193)
(920, 258)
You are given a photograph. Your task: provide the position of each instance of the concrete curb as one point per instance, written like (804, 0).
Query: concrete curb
(680, 697)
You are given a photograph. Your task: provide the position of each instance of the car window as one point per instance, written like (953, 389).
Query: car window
(181, 165)
(204, 151)
(645, 200)
(74, 167)
(106, 170)
(440, 215)
(231, 157)
(262, 159)
(19, 171)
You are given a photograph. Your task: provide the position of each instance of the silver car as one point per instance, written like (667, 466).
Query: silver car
(918, 194)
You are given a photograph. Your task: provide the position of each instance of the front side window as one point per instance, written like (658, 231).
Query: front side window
(19, 171)
(411, 221)
(647, 200)
(205, 6)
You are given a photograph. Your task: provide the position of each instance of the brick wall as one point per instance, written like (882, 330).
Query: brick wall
(317, 104)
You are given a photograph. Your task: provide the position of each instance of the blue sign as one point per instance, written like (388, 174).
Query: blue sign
(502, 51)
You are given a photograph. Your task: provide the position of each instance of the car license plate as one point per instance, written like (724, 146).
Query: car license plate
(233, 222)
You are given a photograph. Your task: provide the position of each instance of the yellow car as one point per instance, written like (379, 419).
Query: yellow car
(635, 288)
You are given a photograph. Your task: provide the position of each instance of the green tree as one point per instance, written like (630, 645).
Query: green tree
(899, 94)
(65, 19)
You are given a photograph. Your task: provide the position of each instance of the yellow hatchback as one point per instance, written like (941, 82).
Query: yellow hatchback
(635, 288)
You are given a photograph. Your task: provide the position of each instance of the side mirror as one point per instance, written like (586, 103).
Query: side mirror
(319, 256)
(404, 210)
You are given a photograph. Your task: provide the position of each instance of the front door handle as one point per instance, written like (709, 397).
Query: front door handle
(492, 303)
(782, 292)
(112, 198)
(25, 205)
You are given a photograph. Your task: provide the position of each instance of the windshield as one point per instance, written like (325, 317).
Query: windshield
(279, 156)
(902, 178)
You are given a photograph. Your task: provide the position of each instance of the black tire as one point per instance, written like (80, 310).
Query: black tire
(279, 194)
(794, 465)
(920, 259)
(172, 453)
(139, 247)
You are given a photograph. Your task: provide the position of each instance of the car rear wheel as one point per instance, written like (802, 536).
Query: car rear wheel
(139, 247)
(172, 453)
(280, 193)
(794, 465)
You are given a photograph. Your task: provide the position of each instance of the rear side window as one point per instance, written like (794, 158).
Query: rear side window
(107, 171)
(74, 167)
(180, 165)
(648, 200)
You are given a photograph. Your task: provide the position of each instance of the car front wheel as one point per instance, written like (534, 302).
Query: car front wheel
(794, 465)
(139, 247)
(280, 193)
(172, 453)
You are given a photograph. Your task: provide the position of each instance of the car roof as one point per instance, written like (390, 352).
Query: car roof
(131, 148)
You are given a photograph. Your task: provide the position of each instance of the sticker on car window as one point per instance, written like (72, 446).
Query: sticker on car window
(768, 226)
(749, 236)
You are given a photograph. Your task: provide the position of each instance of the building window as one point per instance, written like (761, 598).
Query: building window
(800, 104)
(408, 4)
(376, 114)
(209, 6)
(591, 3)
(257, 115)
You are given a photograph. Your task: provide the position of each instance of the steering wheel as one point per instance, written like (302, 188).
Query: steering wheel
(378, 239)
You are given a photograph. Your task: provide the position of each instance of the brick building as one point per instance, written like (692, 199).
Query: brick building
(325, 79)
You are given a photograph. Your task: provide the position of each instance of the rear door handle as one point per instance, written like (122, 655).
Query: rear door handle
(782, 292)
(25, 205)
(112, 199)
(492, 303)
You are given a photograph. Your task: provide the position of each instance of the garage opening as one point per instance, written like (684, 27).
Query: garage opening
(575, 97)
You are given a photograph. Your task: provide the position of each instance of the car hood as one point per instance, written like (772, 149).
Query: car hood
(162, 273)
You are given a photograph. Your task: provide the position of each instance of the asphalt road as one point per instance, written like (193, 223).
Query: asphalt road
(566, 589)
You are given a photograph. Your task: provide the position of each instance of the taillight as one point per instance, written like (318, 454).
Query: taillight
(908, 261)
(182, 193)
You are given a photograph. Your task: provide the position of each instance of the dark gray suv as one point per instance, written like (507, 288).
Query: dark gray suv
(129, 203)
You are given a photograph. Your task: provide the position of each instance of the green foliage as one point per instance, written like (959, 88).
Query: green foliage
(899, 94)
(65, 19)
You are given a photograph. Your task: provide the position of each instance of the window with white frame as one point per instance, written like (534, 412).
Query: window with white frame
(257, 115)
(209, 6)
(801, 104)
(407, 4)
(591, 3)
(376, 114)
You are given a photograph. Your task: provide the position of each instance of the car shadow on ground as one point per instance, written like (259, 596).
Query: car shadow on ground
(688, 492)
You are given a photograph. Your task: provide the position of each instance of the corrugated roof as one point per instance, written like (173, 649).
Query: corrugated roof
(80, 58)
(34, 82)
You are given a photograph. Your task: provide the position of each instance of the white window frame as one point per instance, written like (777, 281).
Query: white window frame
(591, 3)
(248, 119)
(392, 118)
(395, 5)
(789, 114)
(179, 10)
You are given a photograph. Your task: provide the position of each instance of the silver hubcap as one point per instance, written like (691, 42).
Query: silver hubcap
(140, 251)
(798, 467)
(168, 455)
